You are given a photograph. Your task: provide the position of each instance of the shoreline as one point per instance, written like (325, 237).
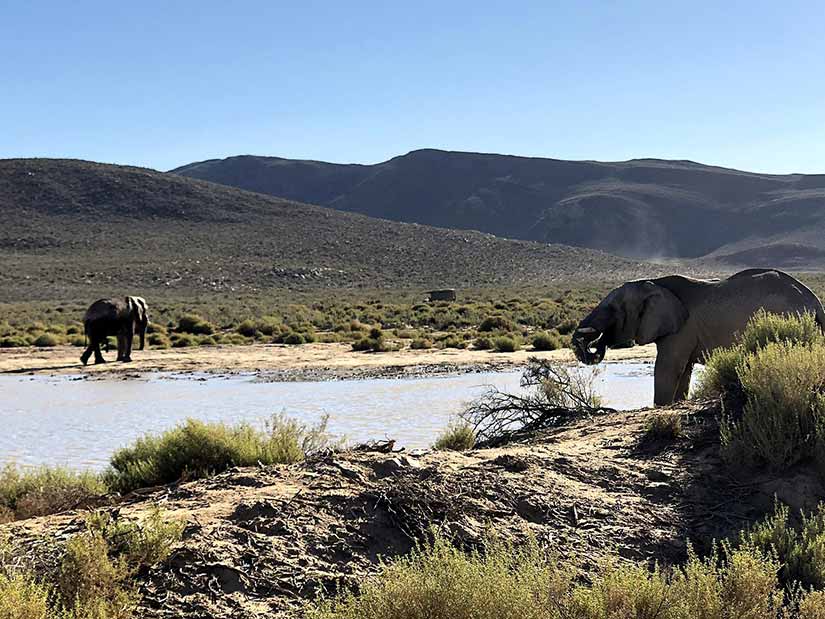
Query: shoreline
(282, 363)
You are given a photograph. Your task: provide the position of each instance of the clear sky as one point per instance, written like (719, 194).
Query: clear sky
(161, 84)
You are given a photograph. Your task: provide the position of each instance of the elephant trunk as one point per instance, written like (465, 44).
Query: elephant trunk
(589, 345)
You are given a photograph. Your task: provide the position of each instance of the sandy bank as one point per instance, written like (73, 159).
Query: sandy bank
(280, 362)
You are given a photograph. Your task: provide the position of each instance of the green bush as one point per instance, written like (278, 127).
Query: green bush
(374, 342)
(722, 366)
(800, 550)
(421, 344)
(158, 340)
(452, 341)
(507, 582)
(23, 596)
(183, 340)
(196, 449)
(547, 341)
(248, 328)
(783, 419)
(195, 325)
(496, 323)
(42, 491)
(294, 339)
(47, 340)
(664, 426)
(483, 343)
(77, 340)
(15, 341)
(505, 344)
(207, 340)
(458, 437)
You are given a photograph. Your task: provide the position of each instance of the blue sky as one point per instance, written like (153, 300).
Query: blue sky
(161, 84)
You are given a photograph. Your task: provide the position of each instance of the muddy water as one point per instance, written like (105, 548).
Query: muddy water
(79, 423)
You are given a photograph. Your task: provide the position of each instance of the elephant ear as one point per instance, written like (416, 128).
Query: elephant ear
(662, 314)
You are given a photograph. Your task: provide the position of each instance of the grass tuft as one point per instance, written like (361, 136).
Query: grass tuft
(42, 491)
(196, 449)
(457, 437)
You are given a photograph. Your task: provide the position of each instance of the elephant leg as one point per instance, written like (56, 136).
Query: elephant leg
(120, 346)
(127, 347)
(667, 375)
(84, 358)
(684, 383)
(98, 355)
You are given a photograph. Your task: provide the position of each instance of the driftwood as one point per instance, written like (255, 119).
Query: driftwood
(555, 395)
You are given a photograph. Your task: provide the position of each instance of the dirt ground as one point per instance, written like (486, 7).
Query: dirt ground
(281, 362)
(262, 542)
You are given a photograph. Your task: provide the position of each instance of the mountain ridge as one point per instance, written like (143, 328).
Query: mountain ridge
(74, 228)
(647, 207)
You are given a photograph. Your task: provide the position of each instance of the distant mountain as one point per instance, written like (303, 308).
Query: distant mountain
(74, 229)
(644, 208)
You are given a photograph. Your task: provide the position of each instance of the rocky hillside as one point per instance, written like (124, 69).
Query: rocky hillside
(263, 541)
(78, 229)
(645, 208)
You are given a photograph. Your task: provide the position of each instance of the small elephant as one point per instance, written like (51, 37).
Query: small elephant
(120, 317)
(687, 318)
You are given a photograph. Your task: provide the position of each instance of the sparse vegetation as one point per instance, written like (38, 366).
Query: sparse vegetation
(437, 580)
(665, 426)
(458, 437)
(505, 344)
(96, 572)
(547, 341)
(42, 491)
(774, 382)
(555, 393)
(197, 449)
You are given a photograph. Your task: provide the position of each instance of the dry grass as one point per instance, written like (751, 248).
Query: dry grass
(664, 426)
(41, 491)
(458, 437)
(506, 582)
(196, 449)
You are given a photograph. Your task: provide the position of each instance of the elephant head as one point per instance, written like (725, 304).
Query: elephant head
(641, 312)
(140, 317)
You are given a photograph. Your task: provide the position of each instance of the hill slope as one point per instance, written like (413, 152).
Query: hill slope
(74, 228)
(642, 208)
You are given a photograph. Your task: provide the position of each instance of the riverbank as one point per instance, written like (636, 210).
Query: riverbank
(264, 541)
(276, 362)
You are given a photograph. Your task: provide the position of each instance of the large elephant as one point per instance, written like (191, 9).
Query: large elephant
(120, 317)
(687, 318)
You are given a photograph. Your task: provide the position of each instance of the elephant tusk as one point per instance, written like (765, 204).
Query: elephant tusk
(586, 330)
(591, 347)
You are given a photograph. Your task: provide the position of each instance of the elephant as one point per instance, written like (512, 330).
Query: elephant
(120, 317)
(687, 319)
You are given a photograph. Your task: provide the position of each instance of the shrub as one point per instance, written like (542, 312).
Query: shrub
(496, 323)
(248, 328)
(375, 342)
(801, 551)
(196, 449)
(154, 327)
(46, 340)
(547, 341)
(664, 426)
(207, 340)
(183, 340)
(14, 341)
(458, 437)
(23, 597)
(483, 343)
(506, 582)
(421, 344)
(194, 324)
(783, 418)
(452, 341)
(45, 490)
(722, 366)
(77, 340)
(158, 340)
(505, 344)
(294, 339)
